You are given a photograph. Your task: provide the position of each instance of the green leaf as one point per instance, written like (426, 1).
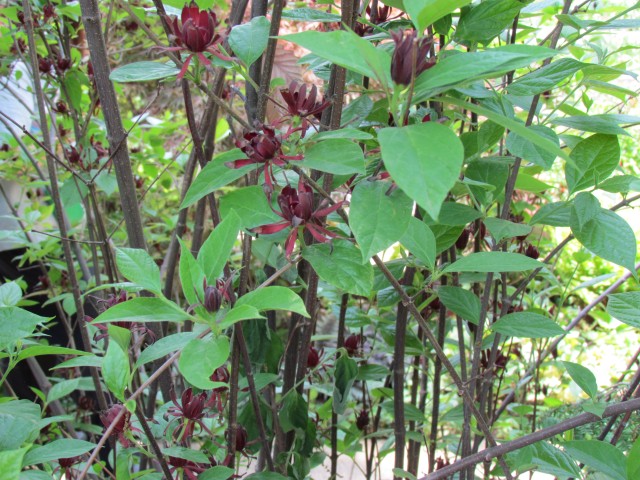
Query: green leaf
(186, 453)
(19, 423)
(425, 12)
(456, 214)
(16, 324)
(348, 133)
(340, 264)
(348, 50)
(216, 175)
(10, 294)
(216, 473)
(164, 346)
(553, 461)
(378, 219)
(600, 456)
(143, 72)
(62, 448)
(11, 463)
(239, 313)
(250, 204)
(265, 476)
(496, 262)
(115, 370)
(460, 301)
(596, 408)
(346, 372)
(309, 15)
(487, 20)
(460, 68)
(621, 184)
(216, 249)
(200, 357)
(424, 160)
(191, 275)
(585, 379)
(633, 460)
(485, 173)
(338, 156)
(545, 78)
(143, 309)
(594, 159)
(605, 123)
(36, 350)
(62, 389)
(420, 241)
(249, 40)
(586, 207)
(513, 125)
(556, 214)
(137, 266)
(610, 237)
(500, 228)
(524, 148)
(625, 307)
(527, 325)
(294, 412)
(274, 298)
(529, 183)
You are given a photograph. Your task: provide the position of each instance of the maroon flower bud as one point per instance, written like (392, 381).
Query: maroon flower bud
(121, 425)
(353, 344)
(435, 304)
(48, 11)
(45, 65)
(532, 252)
(463, 239)
(301, 103)
(313, 358)
(241, 438)
(73, 155)
(139, 181)
(19, 46)
(362, 420)
(198, 29)
(440, 463)
(63, 64)
(4, 147)
(61, 107)
(409, 57)
(131, 26)
(68, 462)
(212, 299)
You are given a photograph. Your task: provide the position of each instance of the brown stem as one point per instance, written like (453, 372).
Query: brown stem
(549, 432)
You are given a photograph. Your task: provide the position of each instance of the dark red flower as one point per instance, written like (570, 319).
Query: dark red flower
(63, 64)
(353, 344)
(126, 324)
(463, 239)
(362, 420)
(195, 32)
(296, 208)
(48, 12)
(212, 299)
(189, 411)
(61, 107)
(409, 56)
(262, 146)
(313, 358)
(190, 469)
(380, 15)
(45, 65)
(532, 252)
(122, 425)
(302, 103)
(19, 46)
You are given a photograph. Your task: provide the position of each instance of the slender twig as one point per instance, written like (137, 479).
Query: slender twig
(549, 432)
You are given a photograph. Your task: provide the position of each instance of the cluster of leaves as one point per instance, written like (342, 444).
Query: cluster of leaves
(448, 210)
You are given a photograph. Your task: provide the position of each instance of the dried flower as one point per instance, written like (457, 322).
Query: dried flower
(409, 57)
